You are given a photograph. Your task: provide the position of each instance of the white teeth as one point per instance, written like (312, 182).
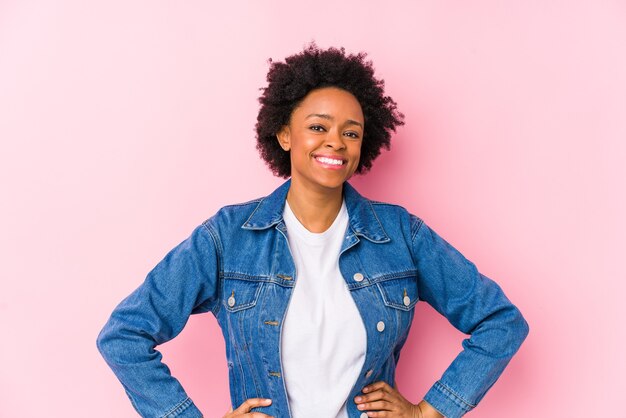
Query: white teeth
(329, 161)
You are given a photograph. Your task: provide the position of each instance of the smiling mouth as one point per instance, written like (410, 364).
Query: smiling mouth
(330, 161)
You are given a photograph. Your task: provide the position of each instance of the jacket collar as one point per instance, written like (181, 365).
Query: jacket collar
(362, 218)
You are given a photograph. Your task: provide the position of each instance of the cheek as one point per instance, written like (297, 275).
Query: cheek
(356, 151)
(356, 159)
(308, 143)
(300, 152)
(304, 143)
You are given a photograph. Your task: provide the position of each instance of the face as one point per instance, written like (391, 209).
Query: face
(324, 138)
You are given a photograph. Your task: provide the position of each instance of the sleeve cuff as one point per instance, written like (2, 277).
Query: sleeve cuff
(448, 403)
(185, 409)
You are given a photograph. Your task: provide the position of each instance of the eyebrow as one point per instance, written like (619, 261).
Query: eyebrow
(326, 116)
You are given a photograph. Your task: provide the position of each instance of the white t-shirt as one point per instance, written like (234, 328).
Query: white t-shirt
(324, 340)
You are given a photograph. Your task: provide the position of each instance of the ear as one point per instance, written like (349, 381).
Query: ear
(284, 137)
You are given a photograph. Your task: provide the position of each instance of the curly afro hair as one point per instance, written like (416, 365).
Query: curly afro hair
(290, 81)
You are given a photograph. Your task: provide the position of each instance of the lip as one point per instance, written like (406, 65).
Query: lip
(334, 157)
(330, 166)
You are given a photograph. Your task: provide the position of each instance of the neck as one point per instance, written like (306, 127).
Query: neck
(316, 209)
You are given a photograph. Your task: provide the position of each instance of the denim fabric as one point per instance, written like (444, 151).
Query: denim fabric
(238, 265)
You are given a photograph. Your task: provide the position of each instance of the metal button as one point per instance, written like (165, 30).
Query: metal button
(380, 326)
(369, 373)
(406, 300)
(358, 277)
(231, 299)
(363, 415)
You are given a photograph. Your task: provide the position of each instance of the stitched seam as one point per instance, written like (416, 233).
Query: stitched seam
(379, 222)
(239, 363)
(380, 279)
(386, 202)
(379, 203)
(468, 405)
(255, 209)
(218, 248)
(391, 276)
(235, 275)
(249, 202)
(179, 405)
(246, 305)
(391, 304)
(420, 222)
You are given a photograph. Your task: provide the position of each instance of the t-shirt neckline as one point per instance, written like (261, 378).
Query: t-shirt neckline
(314, 237)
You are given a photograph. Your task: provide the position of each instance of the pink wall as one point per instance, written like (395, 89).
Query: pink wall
(125, 124)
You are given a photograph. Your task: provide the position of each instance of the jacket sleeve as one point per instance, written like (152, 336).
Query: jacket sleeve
(183, 283)
(475, 305)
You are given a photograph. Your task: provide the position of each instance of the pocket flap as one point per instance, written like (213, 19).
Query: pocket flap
(399, 293)
(240, 294)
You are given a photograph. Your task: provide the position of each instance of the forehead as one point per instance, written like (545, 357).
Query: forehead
(331, 100)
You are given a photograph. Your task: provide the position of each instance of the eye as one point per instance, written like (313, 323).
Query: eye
(352, 135)
(317, 128)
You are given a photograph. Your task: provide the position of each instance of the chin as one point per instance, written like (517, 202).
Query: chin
(331, 184)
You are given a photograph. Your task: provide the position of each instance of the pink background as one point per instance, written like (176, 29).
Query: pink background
(126, 124)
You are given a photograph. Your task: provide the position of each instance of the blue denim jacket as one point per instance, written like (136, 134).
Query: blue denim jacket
(238, 265)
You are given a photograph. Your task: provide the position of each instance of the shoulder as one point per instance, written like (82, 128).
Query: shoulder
(394, 209)
(392, 213)
(232, 215)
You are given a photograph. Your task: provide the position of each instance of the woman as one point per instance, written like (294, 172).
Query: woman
(314, 286)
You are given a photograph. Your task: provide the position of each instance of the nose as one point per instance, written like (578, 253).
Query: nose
(335, 140)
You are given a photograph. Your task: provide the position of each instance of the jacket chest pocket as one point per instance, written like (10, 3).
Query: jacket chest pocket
(239, 294)
(399, 293)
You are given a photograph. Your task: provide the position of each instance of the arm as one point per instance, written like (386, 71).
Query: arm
(475, 305)
(425, 410)
(183, 283)
(382, 398)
